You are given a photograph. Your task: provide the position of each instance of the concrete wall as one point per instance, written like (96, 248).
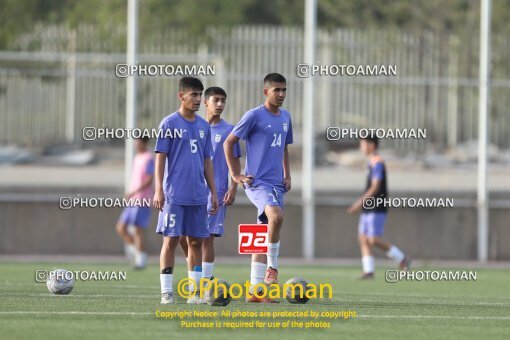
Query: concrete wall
(42, 228)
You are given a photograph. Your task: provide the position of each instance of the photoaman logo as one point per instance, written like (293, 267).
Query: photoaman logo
(217, 289)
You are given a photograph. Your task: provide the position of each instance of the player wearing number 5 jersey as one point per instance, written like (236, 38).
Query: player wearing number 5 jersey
(267, 130)
(183, 166)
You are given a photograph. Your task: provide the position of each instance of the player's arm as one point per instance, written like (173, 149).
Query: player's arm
(286, 169)
(145, 184)
(159, 172)
(375, 184)
(209, 178)
(235, 172)
(230, 196)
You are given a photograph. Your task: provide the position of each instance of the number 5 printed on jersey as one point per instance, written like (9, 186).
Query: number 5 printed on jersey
(193, 144)
(169, 221)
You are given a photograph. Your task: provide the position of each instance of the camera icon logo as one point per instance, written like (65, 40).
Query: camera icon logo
(303, 70)
(41, 275)
(333, 133)
(391, 276)
(122, 70)
(65, 203)
(368, 203)
(89, 133)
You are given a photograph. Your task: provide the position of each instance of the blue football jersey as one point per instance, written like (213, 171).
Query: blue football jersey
(266, 135)
(220, 132)
(187, 148)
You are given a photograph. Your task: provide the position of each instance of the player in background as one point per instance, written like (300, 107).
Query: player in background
(371, 223)
(267, 130)
(215, 100)
(183, 167)
(141, 187)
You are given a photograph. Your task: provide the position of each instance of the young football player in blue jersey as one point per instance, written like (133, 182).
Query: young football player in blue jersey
(373, 216)
(267, 130)
(183, 167)
(215, 100)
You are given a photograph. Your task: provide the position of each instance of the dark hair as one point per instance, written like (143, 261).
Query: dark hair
(190, 83)
(371, 138)
(215, 90)
(274, 78)
(144, 139)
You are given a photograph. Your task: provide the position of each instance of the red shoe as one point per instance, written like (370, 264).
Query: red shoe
(253, 299)
(271, 276)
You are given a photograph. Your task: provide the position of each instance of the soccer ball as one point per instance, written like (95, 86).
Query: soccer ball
(215, 295)
(294, 295)
(60, 281)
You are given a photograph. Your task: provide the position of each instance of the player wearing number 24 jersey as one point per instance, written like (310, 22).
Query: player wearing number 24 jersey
(266, 136)
(267, 130)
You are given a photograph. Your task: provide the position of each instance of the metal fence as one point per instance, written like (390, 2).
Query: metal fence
(56, 81)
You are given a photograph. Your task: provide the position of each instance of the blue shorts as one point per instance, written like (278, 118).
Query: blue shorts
(262, 196)
(137, 216)
(372, 224)
(215, 222)
(177, 220)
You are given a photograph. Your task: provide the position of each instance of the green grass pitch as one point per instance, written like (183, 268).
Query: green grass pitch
(126, 309)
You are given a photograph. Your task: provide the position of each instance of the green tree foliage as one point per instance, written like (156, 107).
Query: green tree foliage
(458, 16)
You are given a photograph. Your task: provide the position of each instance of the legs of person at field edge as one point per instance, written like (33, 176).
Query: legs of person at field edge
(379, 243)
(368, 242)
(122, 230)
(129, 241)
(364, 246)
(140, 255)
(367, 259)
(392, 251)
(138, 238)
